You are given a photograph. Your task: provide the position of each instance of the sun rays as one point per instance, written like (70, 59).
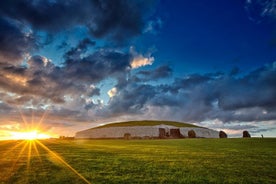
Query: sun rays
(25, 151)
(32, 129)
(59, 158)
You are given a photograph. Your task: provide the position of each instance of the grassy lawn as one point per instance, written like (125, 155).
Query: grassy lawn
(139, 161)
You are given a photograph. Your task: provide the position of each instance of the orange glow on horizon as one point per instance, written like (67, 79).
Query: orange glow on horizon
(31, 128)
(29, 135)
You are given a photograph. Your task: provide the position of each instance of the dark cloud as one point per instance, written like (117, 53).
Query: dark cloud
(21, 20)
(118, 19)
(42, 82)
(159, 73)
(47, 15)
(131, 99)
(70, 90)
(74, 54)
(98, 66)
(257, 89)
(5, 109)
(15, 44)
(20, 100)
(193, 98)
(196, 97)
(42, 79)
(190, 81)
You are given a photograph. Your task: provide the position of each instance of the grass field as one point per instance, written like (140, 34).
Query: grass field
(139, 161)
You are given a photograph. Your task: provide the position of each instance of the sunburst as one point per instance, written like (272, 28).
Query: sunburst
(27, 148)
(29, 135)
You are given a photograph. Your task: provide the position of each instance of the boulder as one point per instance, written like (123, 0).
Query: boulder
(127, 136)
(175, 133)
(222, 134)
(162, 133)
(246, 134)
(191, 134)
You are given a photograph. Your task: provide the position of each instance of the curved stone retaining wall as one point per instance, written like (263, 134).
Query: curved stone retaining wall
(200, 132)
(143, 132)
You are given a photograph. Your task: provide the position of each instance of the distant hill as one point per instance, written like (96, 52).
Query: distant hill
(146, 123)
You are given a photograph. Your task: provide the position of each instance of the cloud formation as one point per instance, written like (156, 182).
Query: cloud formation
(71, 88)
(259, 10)
(16, 43)
(112, 92)
(139, 60)
(23, 21)
(193, 98)
(116, 19)
(197, 98)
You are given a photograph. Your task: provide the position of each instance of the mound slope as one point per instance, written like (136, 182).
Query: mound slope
(146, 123)
(145, 129)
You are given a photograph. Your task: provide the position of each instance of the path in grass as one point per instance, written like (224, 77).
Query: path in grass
(147, 161)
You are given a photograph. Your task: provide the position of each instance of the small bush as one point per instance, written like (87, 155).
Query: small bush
(191, 134)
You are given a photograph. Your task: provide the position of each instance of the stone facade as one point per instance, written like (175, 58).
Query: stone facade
(159, 131)
(200, 132)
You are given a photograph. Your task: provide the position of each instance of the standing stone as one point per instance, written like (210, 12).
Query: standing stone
(175, 133)
(127, 136)
(162, 133)
(246, 134)
(222, 134)
(191, 134)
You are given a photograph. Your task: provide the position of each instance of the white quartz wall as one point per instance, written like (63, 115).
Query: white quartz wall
(119, 132)
(200, 132)
(142, 131)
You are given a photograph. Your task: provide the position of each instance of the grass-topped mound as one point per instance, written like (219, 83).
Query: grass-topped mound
(146, 123)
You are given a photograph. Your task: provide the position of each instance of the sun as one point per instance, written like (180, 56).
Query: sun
(29, 135)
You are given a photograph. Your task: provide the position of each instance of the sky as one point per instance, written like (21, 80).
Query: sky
(66, 66)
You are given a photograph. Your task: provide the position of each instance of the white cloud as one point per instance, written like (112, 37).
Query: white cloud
(140, 61)
(112, 92)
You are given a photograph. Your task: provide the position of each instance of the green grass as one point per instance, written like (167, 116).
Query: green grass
(142, 161)
(146, 123)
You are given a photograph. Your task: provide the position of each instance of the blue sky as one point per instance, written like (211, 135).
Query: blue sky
(78, 64)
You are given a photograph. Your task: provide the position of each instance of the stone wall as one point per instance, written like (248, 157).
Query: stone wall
(200, 132)
(119, 132)
(142, 132)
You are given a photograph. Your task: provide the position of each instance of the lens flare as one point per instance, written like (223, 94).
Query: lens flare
(29, 135)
